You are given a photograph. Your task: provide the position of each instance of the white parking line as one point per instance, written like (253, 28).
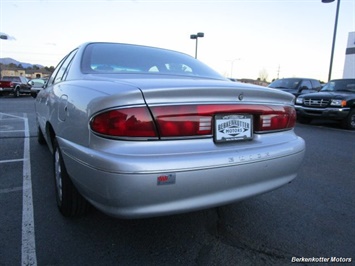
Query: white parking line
(7, 131)
(28, 244)
(28, 249)
(5, 116)
(9, 190)
(12, 161)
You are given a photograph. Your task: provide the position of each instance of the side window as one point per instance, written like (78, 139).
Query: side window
(316, 84)
(51, 78)
(60, 69)
(306, 83)
(63, 68)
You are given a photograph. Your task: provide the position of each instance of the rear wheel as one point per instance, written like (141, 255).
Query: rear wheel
(69, 200)
(17, 92)
(349, 121)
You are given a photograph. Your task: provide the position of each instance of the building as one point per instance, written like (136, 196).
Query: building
(28, 73)
(349, 65)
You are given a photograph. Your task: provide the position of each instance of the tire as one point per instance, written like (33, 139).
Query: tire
(17, 92)
(40, 138)
(69, 201)
(349, 121)
(304, 120)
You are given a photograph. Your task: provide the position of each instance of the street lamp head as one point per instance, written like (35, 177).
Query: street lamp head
(193, 36)
(4, 37)
(200, 34)
(327, 1)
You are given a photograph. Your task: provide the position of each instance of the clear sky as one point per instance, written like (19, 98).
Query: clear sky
(283, 38)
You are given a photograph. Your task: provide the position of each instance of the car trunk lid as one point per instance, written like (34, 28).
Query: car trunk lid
(193, 90)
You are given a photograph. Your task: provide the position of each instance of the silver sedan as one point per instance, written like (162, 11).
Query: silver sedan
(139, 132)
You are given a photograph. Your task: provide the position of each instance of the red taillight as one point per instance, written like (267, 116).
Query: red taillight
(277, 118)
(192, 120)
(127, 122)
(180, 121)
(186, 120)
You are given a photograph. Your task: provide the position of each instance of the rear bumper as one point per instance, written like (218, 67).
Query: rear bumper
(131, 188)
(327, 113)
(36, 90)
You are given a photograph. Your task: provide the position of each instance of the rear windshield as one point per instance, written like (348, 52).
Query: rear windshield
(125, 58)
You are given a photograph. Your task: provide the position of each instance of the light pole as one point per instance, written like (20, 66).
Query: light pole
(3, 36)
(196, 36)
(334, 36)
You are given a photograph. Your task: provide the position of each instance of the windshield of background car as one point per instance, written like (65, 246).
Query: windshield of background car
(285, 83)
(340, 85)
(134, 59)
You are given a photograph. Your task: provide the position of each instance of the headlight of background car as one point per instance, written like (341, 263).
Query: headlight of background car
(341, 103)
(299, 100)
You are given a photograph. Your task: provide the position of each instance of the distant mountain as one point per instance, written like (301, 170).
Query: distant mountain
(7, 61)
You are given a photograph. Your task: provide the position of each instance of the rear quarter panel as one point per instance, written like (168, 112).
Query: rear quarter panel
(73, 103)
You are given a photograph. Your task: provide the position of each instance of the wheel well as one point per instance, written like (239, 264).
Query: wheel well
(50, 137)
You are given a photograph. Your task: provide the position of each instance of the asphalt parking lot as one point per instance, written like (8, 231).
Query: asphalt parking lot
(310, 219)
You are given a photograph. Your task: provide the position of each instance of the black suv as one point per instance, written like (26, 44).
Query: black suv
(296, 86)
(335, 101)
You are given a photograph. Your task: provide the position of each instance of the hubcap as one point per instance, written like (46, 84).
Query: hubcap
(352, 121)
(58, 175)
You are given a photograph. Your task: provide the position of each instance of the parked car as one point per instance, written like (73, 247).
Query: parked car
(15, 85)
(140, 131)
(37, 85)
(296, 86)
(335, 101)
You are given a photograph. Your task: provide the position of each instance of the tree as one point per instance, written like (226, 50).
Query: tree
(12, 66)
(263, 75)
(49, 69)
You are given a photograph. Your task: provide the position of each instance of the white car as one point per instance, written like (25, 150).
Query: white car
(139, 131)
(36, 85)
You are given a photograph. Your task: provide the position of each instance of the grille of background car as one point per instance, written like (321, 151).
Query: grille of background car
(316, 102)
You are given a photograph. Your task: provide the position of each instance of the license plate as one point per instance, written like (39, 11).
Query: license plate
(233, 127)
